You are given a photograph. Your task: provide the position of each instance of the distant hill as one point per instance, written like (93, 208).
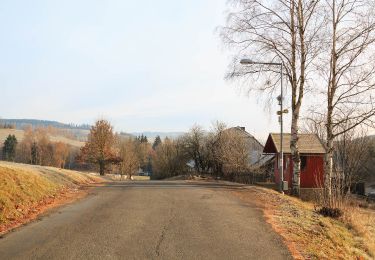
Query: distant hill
(126, 135)
(80, 131)
(22, 123)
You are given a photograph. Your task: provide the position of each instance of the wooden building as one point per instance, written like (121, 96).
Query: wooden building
(312, 159)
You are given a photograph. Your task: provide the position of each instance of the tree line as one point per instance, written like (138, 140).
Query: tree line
(37, 148)
(111, 152)
(7, 126)
(220, 152)
(35, 123)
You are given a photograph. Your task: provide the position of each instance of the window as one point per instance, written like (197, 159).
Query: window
(303, 162)
(287, 161)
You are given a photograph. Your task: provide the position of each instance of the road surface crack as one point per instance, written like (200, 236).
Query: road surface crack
(164, 230)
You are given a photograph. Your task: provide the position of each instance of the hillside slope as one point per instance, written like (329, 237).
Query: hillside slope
(20, 134)
(25, 188)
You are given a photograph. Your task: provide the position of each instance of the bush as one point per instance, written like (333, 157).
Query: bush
(330, 212)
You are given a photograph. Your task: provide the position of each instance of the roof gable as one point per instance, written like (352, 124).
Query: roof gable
(270, 146)
(247, 135)
(307, 144)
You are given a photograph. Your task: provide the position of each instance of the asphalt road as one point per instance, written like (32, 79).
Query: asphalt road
(149, 220)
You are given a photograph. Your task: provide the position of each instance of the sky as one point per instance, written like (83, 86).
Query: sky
(144, 65)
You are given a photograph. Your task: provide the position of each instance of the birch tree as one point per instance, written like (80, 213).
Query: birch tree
(285, 31)
(350, 81)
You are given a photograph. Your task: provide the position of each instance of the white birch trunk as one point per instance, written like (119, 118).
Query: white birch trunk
(295, 155)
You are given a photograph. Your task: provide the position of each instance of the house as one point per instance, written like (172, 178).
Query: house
(312, 159)
(255, 147)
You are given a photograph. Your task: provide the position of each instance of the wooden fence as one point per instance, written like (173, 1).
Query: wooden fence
(251, 178)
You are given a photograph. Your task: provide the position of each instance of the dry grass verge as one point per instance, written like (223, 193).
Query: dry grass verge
(26, 190)
(362, 221)
(309, 235)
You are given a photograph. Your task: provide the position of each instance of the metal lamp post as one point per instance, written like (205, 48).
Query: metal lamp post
(280, 113)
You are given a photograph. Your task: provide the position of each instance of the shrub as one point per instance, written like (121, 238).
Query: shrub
(330, 212)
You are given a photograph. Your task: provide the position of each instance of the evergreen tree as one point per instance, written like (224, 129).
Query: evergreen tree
(149, 165)
(157, 141)
(142, 139)
(9, 148)
(34, 153)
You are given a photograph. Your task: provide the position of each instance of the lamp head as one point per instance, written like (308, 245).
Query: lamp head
(246, 61)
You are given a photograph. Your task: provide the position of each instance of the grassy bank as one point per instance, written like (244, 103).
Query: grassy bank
(24, 189)
(312, 236)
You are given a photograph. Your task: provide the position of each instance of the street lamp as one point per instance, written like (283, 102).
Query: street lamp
(279, 113)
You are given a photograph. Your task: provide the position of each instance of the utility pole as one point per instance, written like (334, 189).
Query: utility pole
(279, 113)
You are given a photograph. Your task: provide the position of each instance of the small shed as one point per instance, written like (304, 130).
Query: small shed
(312, 159)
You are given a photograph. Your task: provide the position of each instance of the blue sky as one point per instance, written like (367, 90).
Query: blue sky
(144, 65)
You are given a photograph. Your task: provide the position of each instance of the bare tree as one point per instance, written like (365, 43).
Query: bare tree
(99, 148)
(315, 123)
(143, 149)
(45, 149)
(23, 153)
(60, 154)
(234, 153)
(129, 158)
(351, 157)
(215, 140)
(169, 159)
(195, 143)
(350, 82)
(286, 31)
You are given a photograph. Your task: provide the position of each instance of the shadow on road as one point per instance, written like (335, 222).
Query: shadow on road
(174, 185)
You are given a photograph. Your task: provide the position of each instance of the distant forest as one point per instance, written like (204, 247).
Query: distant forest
(22, 123)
